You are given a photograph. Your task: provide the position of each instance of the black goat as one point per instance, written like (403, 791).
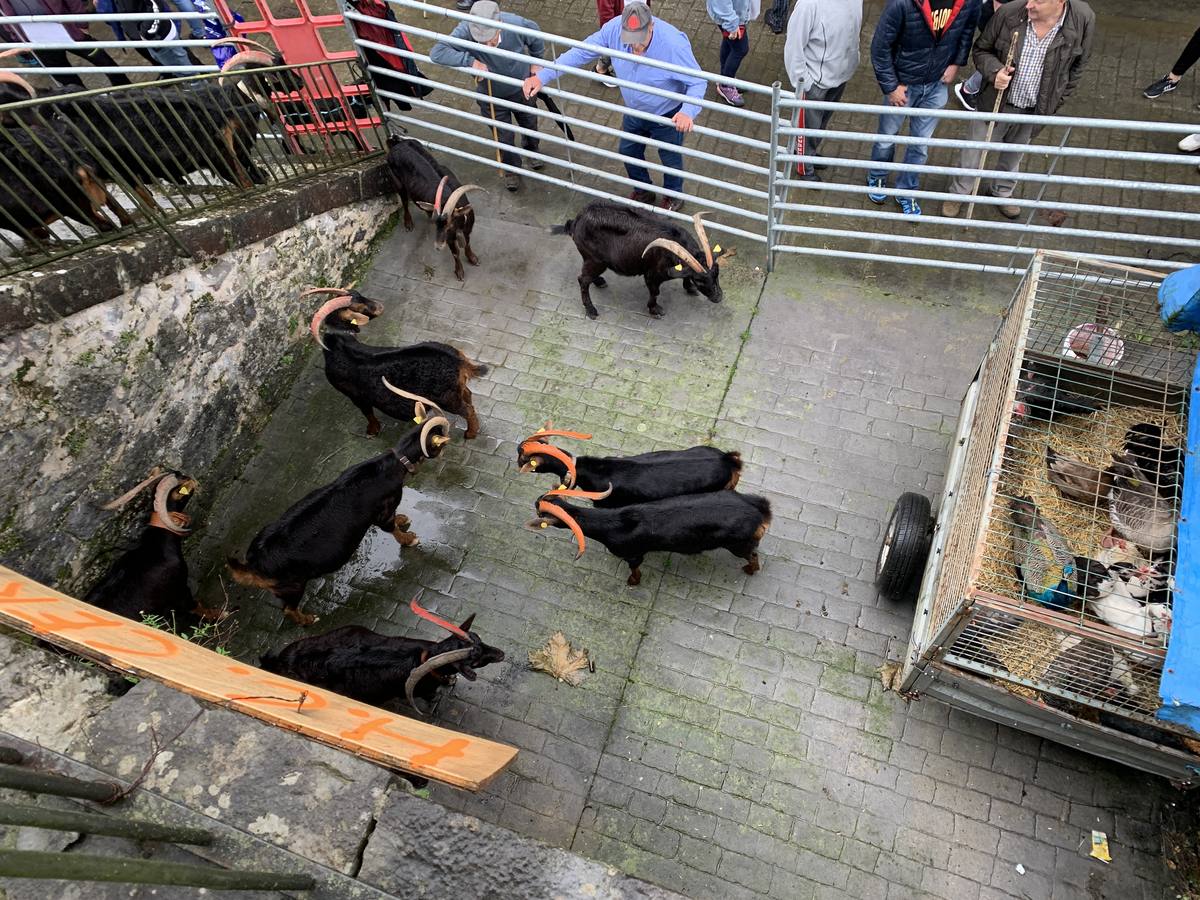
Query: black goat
(374, 668)
(632, 479)
(363, 373)
(689, 524)
(318, 534)
(421, 178)
(635, 242)
(152, 577)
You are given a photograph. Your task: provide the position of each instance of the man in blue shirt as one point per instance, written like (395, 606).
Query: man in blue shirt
(659, 118)
(478, 59)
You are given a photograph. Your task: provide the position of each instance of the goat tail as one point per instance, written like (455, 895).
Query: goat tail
(243, 574)
(733, 460)
(566, 227)
(763, 505)
(470, 368)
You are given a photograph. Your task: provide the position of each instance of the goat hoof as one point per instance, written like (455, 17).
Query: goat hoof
(301, 619)
(406, 538)
(408, 223)
(592, 314)
(473, 259)
(470, 435)
(656, 312)
(460, 274)
(634, 580)
(402, 522)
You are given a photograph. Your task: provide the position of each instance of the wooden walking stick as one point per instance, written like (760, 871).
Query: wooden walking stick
(495, 132)
(1012, 47)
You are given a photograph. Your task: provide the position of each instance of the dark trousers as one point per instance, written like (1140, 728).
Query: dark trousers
(1188, 58)
(818, 118)
(660, 130)
(506, 115)
(733, 51)
(97, 56)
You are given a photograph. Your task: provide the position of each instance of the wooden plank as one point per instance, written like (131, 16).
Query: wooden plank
(375, 734)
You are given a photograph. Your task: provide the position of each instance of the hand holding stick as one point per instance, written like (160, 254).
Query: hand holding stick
(1007, 70)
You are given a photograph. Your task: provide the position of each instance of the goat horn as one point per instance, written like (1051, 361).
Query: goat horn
(324, 290)
(437, 199)
(14, 78)
(430, 424)
(434, 662)
(238, 59)
(421, 611)
(581, 494)
(702, 236)
(550, 432)
(452, 200)
(165, 486)
(155, 474)
(567, 519)
(678, 249)
(421, 405)
(331, 306)
(554, 453)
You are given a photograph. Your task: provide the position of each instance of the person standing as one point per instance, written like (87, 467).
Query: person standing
(1170, 81)
(820, 55)
(74, 33)
(662, 119)
(1054, 41)
(477, 58)
(916, 52)
(967, 91)
(732, 17)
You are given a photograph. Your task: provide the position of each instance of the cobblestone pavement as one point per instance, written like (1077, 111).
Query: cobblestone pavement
(734, 740)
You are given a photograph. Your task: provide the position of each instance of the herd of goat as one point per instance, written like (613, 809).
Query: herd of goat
(674, 501)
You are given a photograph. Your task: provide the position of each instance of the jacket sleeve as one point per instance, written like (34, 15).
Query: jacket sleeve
(887, 32)
(534, 44)
(967, 35)
(722, 12)
(1076, 68)
(693, 85)
(799, 32)
(451, 54)
(987, 55)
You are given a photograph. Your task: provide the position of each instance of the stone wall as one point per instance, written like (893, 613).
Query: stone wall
(181, 368)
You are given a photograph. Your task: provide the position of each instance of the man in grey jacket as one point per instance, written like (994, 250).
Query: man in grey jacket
(1054, 41)
(821, 53)
(477, 58)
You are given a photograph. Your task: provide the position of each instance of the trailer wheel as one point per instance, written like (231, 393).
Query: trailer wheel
(905, 545)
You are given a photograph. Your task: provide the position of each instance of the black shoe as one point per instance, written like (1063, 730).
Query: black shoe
(642, 196)
(512, 181)
(1164, 85)
(533, 162)
(810, 176)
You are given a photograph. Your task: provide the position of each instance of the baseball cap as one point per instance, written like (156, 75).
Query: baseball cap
(485, 9)
(635, 23)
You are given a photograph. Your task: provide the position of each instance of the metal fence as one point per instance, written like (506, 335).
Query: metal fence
(1111, 189)
(150, 154)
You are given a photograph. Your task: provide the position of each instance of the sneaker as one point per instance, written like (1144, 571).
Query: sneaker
(1164, 85)
(672, 204)
(464, 5)
(512, 181)
(876, 181)
(965, 97)
(640, 196)
(909, 206)
(730, 95)
(1190, 144)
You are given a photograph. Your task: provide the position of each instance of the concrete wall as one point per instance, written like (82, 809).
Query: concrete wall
(161, 360)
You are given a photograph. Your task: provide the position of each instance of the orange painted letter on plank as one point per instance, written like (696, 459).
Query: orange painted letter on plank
(434, 754)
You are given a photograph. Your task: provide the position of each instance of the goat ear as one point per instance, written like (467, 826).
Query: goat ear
(428, 207)
(466, 626)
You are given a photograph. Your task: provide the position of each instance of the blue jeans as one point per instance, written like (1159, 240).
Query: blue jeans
(195, 26)
(920, 96)
(660, 130)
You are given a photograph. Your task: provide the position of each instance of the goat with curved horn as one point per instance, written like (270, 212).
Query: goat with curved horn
(434, 662)
(421, 405)
(422, 612)
(327, 309)
(702, 236)
(549, 431)
(678, 249)
(176, 523)
(155, 474)
(456, 195)
(438, 440)
(549, 509)
(536, 448)
(581, 494)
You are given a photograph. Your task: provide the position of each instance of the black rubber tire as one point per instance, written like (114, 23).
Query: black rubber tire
(905, 545)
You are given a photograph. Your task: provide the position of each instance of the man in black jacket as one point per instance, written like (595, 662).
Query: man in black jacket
(1054, 41)
(916, 51)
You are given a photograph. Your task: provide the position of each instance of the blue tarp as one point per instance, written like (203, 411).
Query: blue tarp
(1180, 685)
(1179, 300)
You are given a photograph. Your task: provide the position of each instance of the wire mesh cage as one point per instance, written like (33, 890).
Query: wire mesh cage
(1056, 580)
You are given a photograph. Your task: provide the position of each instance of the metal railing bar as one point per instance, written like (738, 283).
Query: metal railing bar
(1032, 177)
(26, 71)
(941, 242)
(581, 123)
(989, 200)
(956, 144)
(600, 104)
(598, 173)
(749, 86)
(988, 224)
(110, 45)
(907, 260)
(105, 17)
(948, 113)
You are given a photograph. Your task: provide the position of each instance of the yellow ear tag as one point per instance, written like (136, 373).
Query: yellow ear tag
(679, 267)
(717, 248)
(418, 419)
(533, 464)
(184, 490)
(561, 487)
(545, 524)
